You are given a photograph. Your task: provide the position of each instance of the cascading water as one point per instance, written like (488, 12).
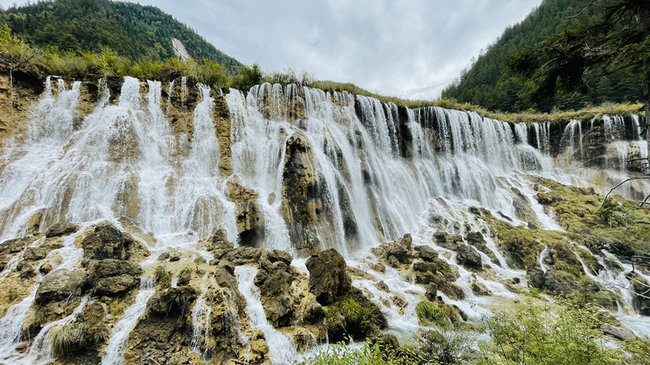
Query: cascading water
(281, 348)
(114, 353)
(380, 171)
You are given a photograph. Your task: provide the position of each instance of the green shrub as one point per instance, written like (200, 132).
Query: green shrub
(68, 338)
(541, 334)
(436, 314)
(369, 354)
(353, 315)
(163, 277)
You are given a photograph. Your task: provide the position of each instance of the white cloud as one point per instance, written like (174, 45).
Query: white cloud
(408, 48)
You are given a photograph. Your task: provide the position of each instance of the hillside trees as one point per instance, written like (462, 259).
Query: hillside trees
(491, 84)
(133, 31)
(615, 39)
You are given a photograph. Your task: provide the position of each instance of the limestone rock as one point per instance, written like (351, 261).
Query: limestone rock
(274, 281)
(426, 253)
(314, 313)
(468, 257)
(303, 207)
(480, 289)
(59, 285)
(248, 212)
(115, 284)
(34, 253)
(619, 333)
(172, 302)
(556, 281)
(61, 229)
(277, 255)
(328, 278)
(431, 291)
(243, 255)
(112, 267)
(8, 249)
(447, 241)
(105, 242)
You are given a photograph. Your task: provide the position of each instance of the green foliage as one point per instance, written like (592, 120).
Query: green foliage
(247, 77)
(450, 347)
(68, 338)
(614, 213)
(369, 354)
(163, 277)
(436, 314)
(12, 48)
(491, 84)
(579, 212)
(133, 31)
(117, 307)
(544, 334)
(638, 351)
(353, 315)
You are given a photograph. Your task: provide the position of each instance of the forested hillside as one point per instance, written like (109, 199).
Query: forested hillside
(490, 84)
(134, 31)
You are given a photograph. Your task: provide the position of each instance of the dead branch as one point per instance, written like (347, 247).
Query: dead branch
(621, 183)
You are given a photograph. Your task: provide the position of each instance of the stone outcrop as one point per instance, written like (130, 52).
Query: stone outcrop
(248, 213)
(61, 229)
(469, 257)
(275, 278)
(59, 285)
(328, 279)
(111, 277)
(301, 198)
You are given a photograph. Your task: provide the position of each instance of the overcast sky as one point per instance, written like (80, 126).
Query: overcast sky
(407, 48)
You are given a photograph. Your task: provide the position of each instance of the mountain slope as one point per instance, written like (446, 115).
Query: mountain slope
(134, 31)
(490, 84)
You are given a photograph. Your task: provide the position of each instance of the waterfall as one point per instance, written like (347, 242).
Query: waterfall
(114, 353)
(281, 349)
(373, 172)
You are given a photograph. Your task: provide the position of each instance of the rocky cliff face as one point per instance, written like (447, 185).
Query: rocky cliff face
(141, 220)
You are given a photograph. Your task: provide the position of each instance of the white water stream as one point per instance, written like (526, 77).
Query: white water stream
(281, 348)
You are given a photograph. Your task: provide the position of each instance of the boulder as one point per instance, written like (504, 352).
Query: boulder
(640, 285)
(426, 253)
(59, 285)
(61, 229)
(619, 333)
(559, 282)
(314, 313)
(328, 278)
(469, 257)
(431, 291)
(112, 267)
(248, 212)
(243, 255)
(34, 253)
(447, 241)
(8, 249)
(277, 255)
(172, 302)
(115, 284)
(105, 242)
(480, 289)
(274, 281)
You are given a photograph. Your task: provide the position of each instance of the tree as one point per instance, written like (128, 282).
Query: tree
(613, 35)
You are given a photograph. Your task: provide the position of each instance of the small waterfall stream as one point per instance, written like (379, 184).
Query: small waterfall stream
(114, 353)
(281, 349)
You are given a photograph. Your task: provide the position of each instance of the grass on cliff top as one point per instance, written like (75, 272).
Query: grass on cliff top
(16, 53)
(588, 112)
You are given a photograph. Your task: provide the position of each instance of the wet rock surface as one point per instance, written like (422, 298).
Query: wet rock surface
(328, 278)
